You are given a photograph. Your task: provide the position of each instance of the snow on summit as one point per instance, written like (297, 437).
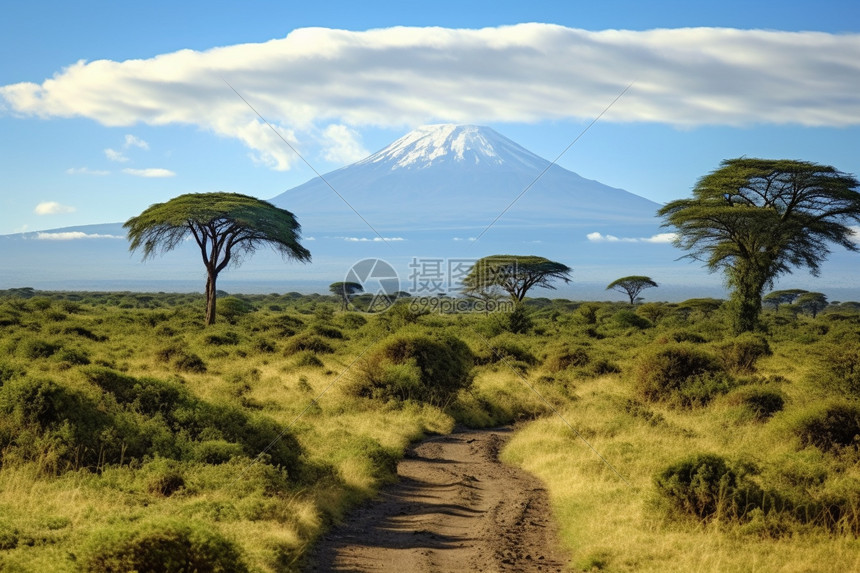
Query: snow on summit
(431, 145)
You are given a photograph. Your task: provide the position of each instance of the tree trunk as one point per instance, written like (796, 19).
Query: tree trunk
(746, 300)
(210, 299)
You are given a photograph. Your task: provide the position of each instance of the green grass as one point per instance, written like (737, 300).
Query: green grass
(129, 428)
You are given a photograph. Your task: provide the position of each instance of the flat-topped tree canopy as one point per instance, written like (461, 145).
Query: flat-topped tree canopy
(632, 286)
(757, 219)
(227, 227)
(514, 274)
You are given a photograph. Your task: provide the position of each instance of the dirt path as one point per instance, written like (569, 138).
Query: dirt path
(455, 508)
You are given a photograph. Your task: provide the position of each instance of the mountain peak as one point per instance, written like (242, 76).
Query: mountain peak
(440, 144)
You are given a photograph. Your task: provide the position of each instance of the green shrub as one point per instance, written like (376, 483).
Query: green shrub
(228, 338)
(84, 333)
(9, 371)
(9, 537)
(231, 308)
(518, 320)
(629, 319)
(307, 358)
(33, 349)
(73, 356)
(165, 477)
(412, 366)
(506, 347)
(352, 320)
(167, 546)
(566, 357)
(681, 336)
(41, 420)
(831, 427)
(741, 354)
(679, 374)
(190, 363)
(761, 403)
(327, 331)
(841, 363)
(706, 486)
(217, 451)
(307, 342)
(180, 358)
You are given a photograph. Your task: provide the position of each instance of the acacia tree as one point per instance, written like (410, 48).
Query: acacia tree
(631, 286)
(756, 219)
(778, 297)
(812, 302)
(513, 274)
(227, 227)
(345, 290)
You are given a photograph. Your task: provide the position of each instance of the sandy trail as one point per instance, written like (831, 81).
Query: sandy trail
(455, 508)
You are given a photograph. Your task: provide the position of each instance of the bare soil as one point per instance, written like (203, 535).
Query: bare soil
(456, 507)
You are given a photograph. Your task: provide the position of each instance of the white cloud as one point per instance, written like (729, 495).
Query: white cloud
(342, 144)
(85, 171)
(150, 172)
(405, 76)
(132, 141)
(370, 240)
(855, 234)
(52, 208)
(73, 235)
(462, 239)
(658, 238)
(661, 238)
(114, 155)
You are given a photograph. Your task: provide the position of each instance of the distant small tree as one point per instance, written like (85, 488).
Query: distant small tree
(513, 274)
(631, 286)
(779, 297)
(705, 306)
(812, 303)
(345, 290)
(226, 227)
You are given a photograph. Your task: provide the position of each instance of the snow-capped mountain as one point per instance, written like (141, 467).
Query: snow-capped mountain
(437, 145)
(440, 177)
(425, 197)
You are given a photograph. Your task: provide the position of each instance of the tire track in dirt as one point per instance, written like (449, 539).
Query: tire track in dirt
(455, 508)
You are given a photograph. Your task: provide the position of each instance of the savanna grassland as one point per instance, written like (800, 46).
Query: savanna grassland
(132, 435)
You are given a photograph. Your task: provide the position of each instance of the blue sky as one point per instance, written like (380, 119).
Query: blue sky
(96, 143)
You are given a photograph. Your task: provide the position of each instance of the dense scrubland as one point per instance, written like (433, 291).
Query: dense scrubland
(130, 434)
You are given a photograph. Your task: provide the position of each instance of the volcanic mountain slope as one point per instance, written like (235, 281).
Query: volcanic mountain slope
(459, 176)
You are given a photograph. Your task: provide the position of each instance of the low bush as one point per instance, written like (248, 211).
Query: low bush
(629, 319)
(181, 359)
(414, 366)
(135, 419)
(73, 356)
(841, 366)
(679, 374)
(566, 357)
(741, 354)
(352, 320)
(327, 331)
(228, 338)
(307, 358)
(33, 349)
(760, 403)
(505, 347)
(164, 545)
(307, 342)
(831, 427)
(707, 486)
